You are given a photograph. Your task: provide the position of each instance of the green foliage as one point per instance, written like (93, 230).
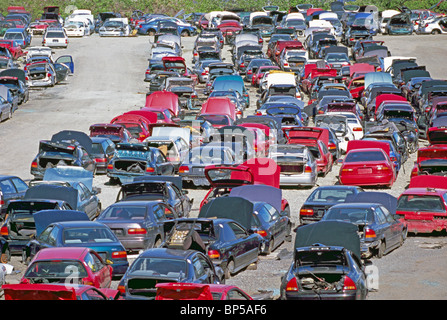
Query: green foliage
(171, 7)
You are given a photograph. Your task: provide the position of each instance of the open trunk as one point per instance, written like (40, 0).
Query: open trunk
(145, 287)
(130, 166)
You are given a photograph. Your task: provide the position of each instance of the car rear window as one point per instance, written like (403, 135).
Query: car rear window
(420, 203)
(55, 35)
(364, 156)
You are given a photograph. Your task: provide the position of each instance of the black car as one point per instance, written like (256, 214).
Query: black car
(167, 265)
(69, 148)
(326, 264)
(322, 198)
(166, 188)
(229, 244)
(103, 150)
(11, 188)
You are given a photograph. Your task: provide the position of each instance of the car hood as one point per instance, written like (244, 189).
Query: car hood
(70, 174)
(44, 218)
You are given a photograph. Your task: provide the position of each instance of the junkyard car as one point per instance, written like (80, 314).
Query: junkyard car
(118, 27)
(326, 264)
(190, 291)
(55, 265)
(136, 159)
(167, 265)
(11, 188)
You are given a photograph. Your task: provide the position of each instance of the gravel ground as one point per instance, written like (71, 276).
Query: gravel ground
(108, 81)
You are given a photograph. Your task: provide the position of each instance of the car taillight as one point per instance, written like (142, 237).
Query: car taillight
(307, 169)
(48, 75)
(292, 285)
(357, 129)
(150, 169)
(34, 164)
(122, 289)
(262, 233)
(87, 282)
(110, 166)
(119, 254)
(332, 146)
(286, 64)
(306, 212)
(241, 65)
(100, 160)
(137, 231)
(249, 72)
(348, 284)
(369, 233)
(4, 231)
(383, 168)
(214, 254)
(183, 169)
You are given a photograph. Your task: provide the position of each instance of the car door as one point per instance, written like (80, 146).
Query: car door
(164, 167)
(89, 202)
(174, 200)
(382, 227)
(21, 187)
(66, 60)
(184, 199)
(203, 269)
(102, 273)
(61, 71)
(279, 221)
(244, 247)
(395, 227)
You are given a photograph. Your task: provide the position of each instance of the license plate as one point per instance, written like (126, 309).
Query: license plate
(364, 171)
(55, 40)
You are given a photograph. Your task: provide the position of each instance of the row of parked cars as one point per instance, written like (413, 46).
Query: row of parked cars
(364, 111)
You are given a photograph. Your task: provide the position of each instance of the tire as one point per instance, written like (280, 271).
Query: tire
(381, 250)
(229, 269)
(271, 246)
(5, 256)
(151, 32)
(25, 259)
(435, 32)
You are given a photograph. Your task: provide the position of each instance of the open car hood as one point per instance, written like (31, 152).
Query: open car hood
(79, 136)
(431, 152)
(307, 133)
(329, 233)
(428, 181)
(177, 181)
(150, 116)
(323, 72)
(70, 174)
(53, 192)
(223, 176)
(14, 72)
(235, 208)
(44, 218)
(173, 132)
(259, 193)
(173, 63)
(183, 291)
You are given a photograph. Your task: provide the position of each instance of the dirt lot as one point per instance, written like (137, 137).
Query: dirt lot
(108, 80)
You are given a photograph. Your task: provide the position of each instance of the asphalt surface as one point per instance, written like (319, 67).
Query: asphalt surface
(108, 80)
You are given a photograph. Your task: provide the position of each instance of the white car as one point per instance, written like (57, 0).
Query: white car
(436, 26)
(55, 37)
(354, 124)
(76, 28)
(115, 27)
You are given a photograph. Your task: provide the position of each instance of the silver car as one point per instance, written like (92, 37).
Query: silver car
(297, 165)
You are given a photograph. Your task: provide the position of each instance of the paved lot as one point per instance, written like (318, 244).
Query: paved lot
(108, 81)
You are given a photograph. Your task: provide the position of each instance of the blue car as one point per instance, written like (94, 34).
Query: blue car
(232, 82)
(150, 27)
(56, 228)
(20, 35)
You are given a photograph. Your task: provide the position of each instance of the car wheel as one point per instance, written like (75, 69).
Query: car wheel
(289, 233)
(271, 246)
(229, 269)
(5, 256)
(435, 31)
(151, 32)
(381, 250)
(25, 258)
(9, 114)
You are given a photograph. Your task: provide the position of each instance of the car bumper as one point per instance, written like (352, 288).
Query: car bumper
(112, 34)
(75, 34)
(39, 83)
(298, 180)
(119, 268)
(321, 296)
(367, 180)
(425, 225)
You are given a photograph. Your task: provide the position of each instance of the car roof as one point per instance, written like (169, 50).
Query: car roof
(356, 205)
(167, 253)
(69, 224)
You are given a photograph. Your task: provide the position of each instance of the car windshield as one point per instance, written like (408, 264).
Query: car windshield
(77, 236)
(124, 213)
(54, 271)
(161, 267)
(13, 36)
(295, 23)
(215, 119)
(4, 63)
(113, 24)
(330, 195)
(420, 203)
(364, 156)
(353, 215)
(337, 57)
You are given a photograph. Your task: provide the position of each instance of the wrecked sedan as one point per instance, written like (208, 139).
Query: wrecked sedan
(161, 265)
(136, 159)
(326, 264)
(228, 243)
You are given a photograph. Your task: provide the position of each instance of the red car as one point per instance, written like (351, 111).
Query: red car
(423, 207)
(115, 132)
(284, 45)
(23, 291)
(13, 47)
(198, 291)
(137, 125)
(387, 97)
(308, 82)
(178, 64)
(57, 265)
(433, 158)
(230, 27)
(356, 86)
(367, 163)
(164, 115)
(317, 141)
